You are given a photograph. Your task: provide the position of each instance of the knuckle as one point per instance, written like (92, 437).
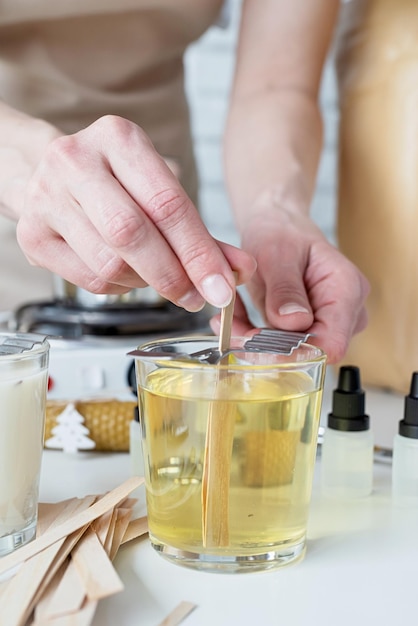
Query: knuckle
(171, 284)
(29, 236)
(198, 255)
(359, 284)
(65, 149)
(169, 208)
(124, 231)
(112, 270)
(172, 287)
(96, 285)
(117, 123)
(123, 129)
(64, 154)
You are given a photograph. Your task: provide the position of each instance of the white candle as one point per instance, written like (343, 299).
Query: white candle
(22, 413)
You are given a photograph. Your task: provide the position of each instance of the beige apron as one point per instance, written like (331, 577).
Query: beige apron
(378, 180)
(72, 61)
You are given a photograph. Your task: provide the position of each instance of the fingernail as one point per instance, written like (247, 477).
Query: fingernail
(192, 301)
(292, 307)
(217, 291)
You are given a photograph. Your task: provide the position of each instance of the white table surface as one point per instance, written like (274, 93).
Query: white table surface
(361, 565)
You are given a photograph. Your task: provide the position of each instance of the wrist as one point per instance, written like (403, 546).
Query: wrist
(271, 223)
(273, 203)
(24, 141)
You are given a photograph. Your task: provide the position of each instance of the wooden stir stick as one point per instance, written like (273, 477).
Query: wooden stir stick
(218, 450)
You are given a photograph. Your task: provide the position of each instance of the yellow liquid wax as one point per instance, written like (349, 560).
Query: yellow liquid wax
(276, 418)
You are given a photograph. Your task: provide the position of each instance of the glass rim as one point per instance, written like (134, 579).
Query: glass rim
(289, 361)
(26, 346)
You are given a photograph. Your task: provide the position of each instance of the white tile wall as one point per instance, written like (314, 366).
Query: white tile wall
(209, 68)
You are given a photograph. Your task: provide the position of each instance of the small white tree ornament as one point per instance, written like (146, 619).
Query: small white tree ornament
(69, 434)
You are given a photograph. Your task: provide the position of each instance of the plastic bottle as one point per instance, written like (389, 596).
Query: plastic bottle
(347, 448)
(405, 451)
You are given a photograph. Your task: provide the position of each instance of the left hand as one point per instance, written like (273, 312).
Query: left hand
(302, 283)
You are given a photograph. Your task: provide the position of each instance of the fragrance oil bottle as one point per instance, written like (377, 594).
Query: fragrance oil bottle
(347, 449)
(405, 451)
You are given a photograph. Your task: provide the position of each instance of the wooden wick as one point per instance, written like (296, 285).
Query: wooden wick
(218, 449)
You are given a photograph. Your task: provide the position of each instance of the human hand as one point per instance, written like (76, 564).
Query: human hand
(104, 211)
(302, 283)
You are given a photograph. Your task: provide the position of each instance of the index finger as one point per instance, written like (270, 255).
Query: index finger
(148, 180)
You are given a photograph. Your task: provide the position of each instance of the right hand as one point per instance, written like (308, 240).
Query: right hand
(104, 211)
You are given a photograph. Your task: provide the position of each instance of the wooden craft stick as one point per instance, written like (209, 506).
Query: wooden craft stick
(110, 532)
(178, 615)
(22, 588)
(3, 587)
(49, 512)
(218, 451)
(123, 517)
(128, 503)
(21, 592)
(94, 567)
(83, 617)
(67, 597)
(61, 513)
(70, 593)
(61, 557)
(102, 526)
(136, 528)
(48, 594)
(108, 501)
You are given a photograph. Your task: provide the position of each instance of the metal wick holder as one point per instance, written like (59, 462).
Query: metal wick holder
(267, 340)
(16, 343)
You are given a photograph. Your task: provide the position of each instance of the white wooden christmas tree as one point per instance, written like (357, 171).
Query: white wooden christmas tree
(69, 434)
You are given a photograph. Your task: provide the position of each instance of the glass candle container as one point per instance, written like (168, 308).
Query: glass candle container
(229, 451)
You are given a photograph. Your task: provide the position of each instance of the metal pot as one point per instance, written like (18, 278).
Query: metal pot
(69, 293)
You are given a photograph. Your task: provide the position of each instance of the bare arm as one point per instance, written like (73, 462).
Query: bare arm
(274, 130)
(272, 147)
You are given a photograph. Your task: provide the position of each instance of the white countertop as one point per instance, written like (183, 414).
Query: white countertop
(360, 566)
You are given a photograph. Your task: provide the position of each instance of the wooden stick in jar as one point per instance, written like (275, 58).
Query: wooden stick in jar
(218, 450)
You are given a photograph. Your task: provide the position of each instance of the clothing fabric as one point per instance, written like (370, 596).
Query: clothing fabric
(72, 61)
(377, 67)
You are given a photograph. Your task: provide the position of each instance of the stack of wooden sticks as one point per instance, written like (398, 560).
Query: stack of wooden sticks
(59, 578)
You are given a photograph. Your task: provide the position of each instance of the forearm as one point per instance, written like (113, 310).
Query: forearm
(272, 148)
(22, 144)
(274, 130)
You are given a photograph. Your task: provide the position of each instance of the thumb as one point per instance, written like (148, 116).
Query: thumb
(287, 304)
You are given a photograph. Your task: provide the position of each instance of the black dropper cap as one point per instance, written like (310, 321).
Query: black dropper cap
(408, 427)
(348, 402)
